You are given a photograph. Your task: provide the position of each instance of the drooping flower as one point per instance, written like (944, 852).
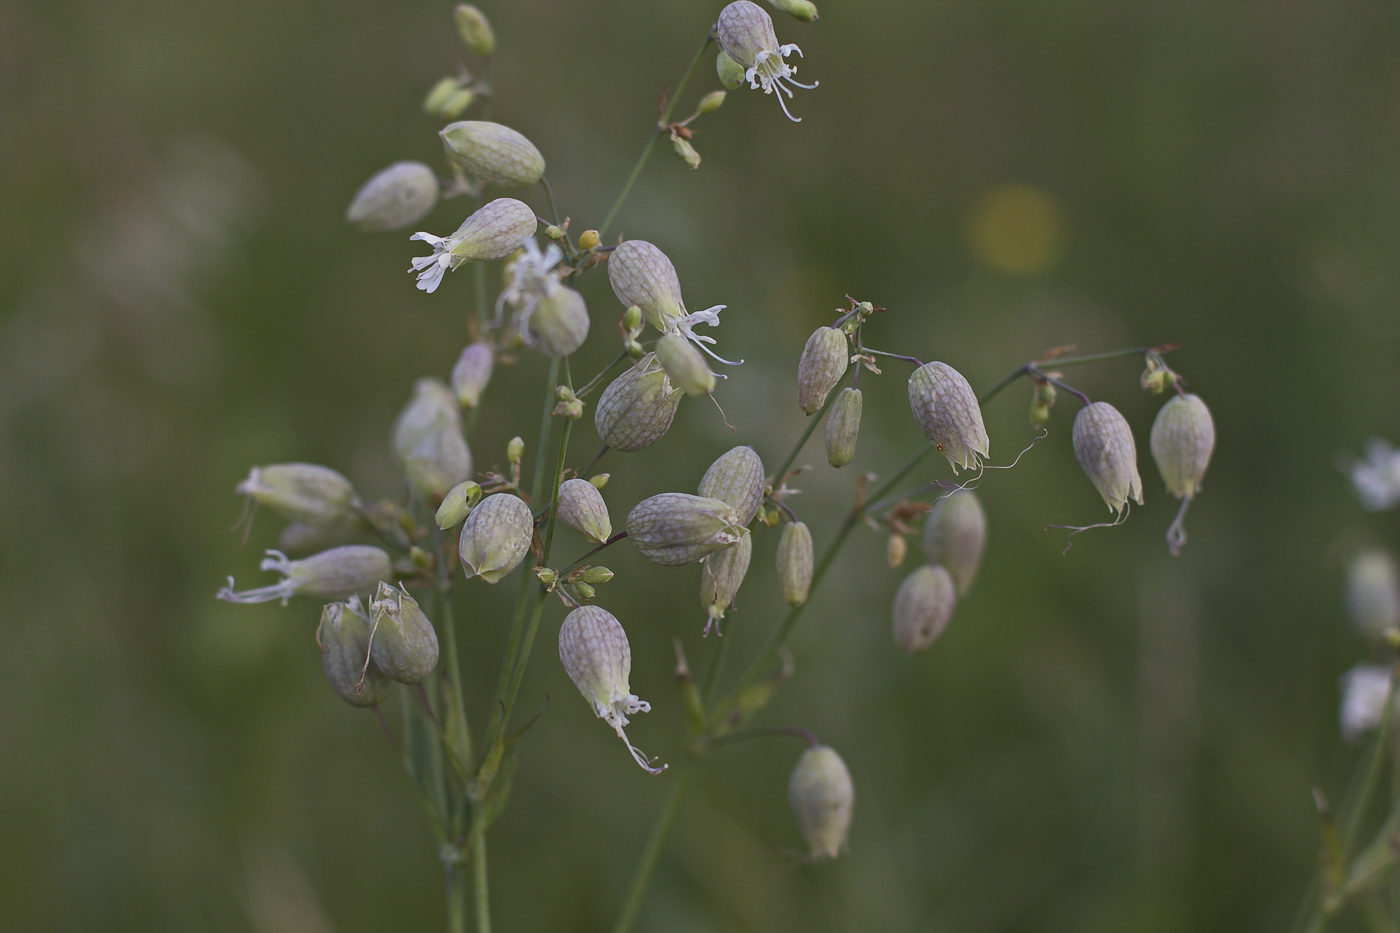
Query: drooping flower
(1103, 445)
(822, 797)
(336, 574)
(746, 36)
(644, 277)
(494, 231)
(594, 651)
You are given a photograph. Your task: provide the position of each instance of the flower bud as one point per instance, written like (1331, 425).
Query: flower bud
(582, 508)
(558, 324)
(589, 239)
(710, 102)
(1042, 400)
(494, 231)
(822, 796)
(720, 577)
(594, 651)
(795, 563)
(1364, 691)
(802, 10)
(730, 72)
(339, 573)
(843, 427)
(428, 440)
(1182, 439)
(597, 575)
(946, 409)
(686, 151)
(955, 534)
(1373, 593)
(496, 536)
(1103, 445)
(736, 477)
(821, 366)
(637, 408)
(404, 645)
(344, 636)
(301, 492)
(641, 275)
(675, 528)
(685, 365)
(475, 30)
(493, 153)
(448, 99)
(922, 607)
(896, 548)
(397, 197)
(472, 373)
(456, 504)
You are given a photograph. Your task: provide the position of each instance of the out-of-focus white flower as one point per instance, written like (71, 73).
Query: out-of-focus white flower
(531, 277)
(1364, 690)
(1377, 477)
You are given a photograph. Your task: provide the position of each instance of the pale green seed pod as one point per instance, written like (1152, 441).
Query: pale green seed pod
(802, 10)
(736, 477)
(730, 72)
(1182, 438)
(594, 651)
(496, 536)
(710, 102)
(582, 508)
(1373, 593)
(428, 441)
(495, 154)
(472, 373)
(643, 276)
(1104, 447)
(822, 364)
(637, 408)
(301, 492)
(397, 197)
(336, 574)
(475, 30)
(557, 325)
(721, 574)
(795, 563)
(685, 365)
(675, 528)
(344, 637)
(493, 231)
(946, 410)
(922, 607)
(843, 427)
(955, 534)
(457, 504)
(822, 797)
(404, 645)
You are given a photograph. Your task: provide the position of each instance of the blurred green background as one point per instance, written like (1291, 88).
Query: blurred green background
(1108, 740)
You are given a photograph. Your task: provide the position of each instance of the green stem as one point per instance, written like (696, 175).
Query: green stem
(459, 731)
(812, 423)
(641, 877)
(518, 676)
(1020, 371)
(517, 622)
(480, 886)
(651, 140)
(593, 383)
(456, 896)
